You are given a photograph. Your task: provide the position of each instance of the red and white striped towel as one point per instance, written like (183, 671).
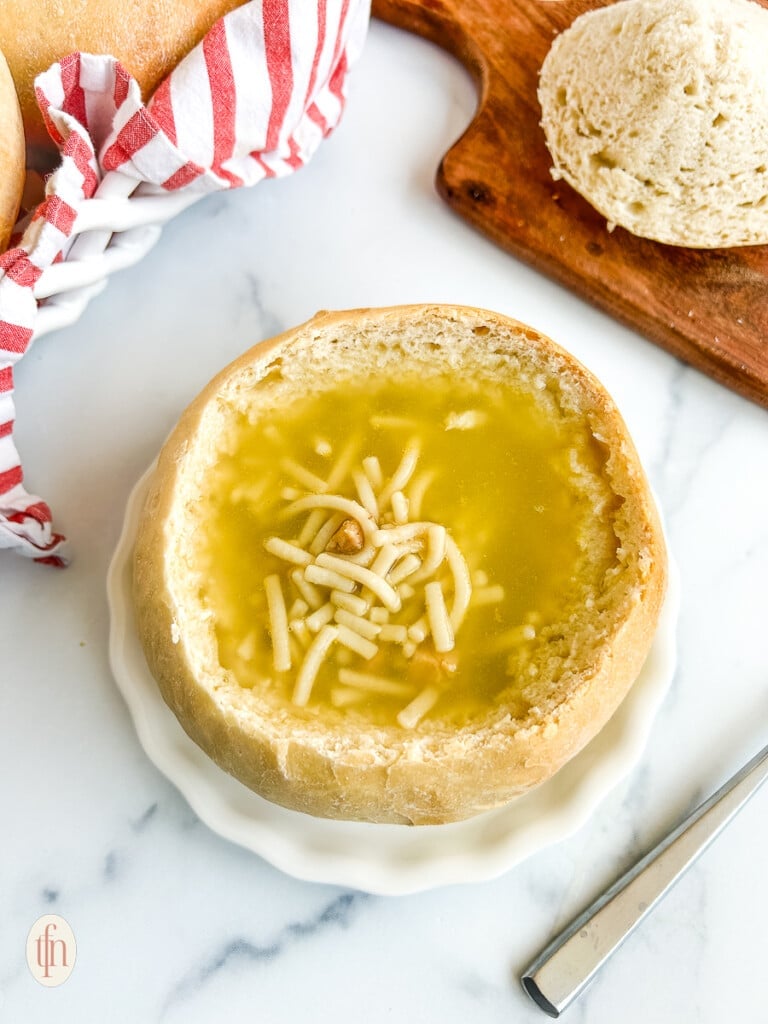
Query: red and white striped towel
(253, 100)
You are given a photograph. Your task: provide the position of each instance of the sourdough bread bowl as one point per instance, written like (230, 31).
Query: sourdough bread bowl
(475, 612)
(11, 154)
(656, 111)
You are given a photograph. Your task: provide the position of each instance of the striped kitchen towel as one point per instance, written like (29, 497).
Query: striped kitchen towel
(253, 100)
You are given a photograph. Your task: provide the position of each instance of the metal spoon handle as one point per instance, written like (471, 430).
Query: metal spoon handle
(568, 964)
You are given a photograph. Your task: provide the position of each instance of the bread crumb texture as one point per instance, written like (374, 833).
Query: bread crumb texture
(656, 111)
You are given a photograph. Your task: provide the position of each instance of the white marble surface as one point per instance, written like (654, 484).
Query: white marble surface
(174, 923)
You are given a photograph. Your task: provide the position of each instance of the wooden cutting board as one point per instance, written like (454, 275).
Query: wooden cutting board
(708, 307)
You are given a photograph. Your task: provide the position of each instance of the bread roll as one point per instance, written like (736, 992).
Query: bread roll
(11, 154)
(534, 482)
(656, 111)
(149, 37)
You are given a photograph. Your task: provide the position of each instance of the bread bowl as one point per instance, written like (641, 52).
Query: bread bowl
(11, 154)
(149, 37)
(546, 519)
(656, 111)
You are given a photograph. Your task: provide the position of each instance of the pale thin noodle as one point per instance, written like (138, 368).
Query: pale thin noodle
(385, 593)
(437, 616)
(468, 419)
(364, 557)
(386, 557)
(309, 530)
(406, 591)
(251, 494)
(308, 591)
(400, 534)
(403, 473)
(349, 602)
(290, 493)
(345, 696)
(322, 447)
(299, 629)
(320, 618)
(297, 651)
(393, 423)
(298, 609)
(483, 596)
(374, 684)
(372, 469)
(278, 623)
(413, 546)
(419, 487)
(421, 705)
(379, 615)
(328, 578)
(365, 493)
(340, 468)
(247, 647)
(436, 536)
(326, 531)
(344, 656)
(288, 552)
(309, 481)
(351, 508)
(365, 648)
(357, 624)
(404, 568)
(310, 666)
(419, 630)
(399, 504)
(272, 433)
(462, 584)
(393, 633)
(514, 637)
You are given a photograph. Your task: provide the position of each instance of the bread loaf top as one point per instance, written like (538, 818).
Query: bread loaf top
(149, 37)
(11, 154)
(656, 111)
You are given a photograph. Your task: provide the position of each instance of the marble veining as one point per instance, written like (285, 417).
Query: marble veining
(145, 818)
(339, 913)
(175, 924)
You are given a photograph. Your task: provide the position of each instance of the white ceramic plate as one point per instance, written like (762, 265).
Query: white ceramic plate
(391, 859)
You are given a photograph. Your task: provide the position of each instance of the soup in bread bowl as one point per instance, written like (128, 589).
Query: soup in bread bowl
(398, 565)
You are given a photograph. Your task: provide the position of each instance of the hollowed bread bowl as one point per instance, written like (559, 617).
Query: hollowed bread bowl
(540, 577)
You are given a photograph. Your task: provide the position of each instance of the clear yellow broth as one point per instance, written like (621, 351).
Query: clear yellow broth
(510, 489)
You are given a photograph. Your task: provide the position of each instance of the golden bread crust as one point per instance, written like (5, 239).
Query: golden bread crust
(148, 37)
(11, 154)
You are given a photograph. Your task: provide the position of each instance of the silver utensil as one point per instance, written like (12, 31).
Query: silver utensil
(571, 960)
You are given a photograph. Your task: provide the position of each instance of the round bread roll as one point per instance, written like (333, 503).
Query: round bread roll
(656, 111)
(468, 608)
(149, 37)
(11, 154)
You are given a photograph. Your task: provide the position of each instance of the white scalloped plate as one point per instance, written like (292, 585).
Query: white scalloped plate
(389, 859)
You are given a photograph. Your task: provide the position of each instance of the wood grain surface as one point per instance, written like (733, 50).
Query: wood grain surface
(708, 307)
